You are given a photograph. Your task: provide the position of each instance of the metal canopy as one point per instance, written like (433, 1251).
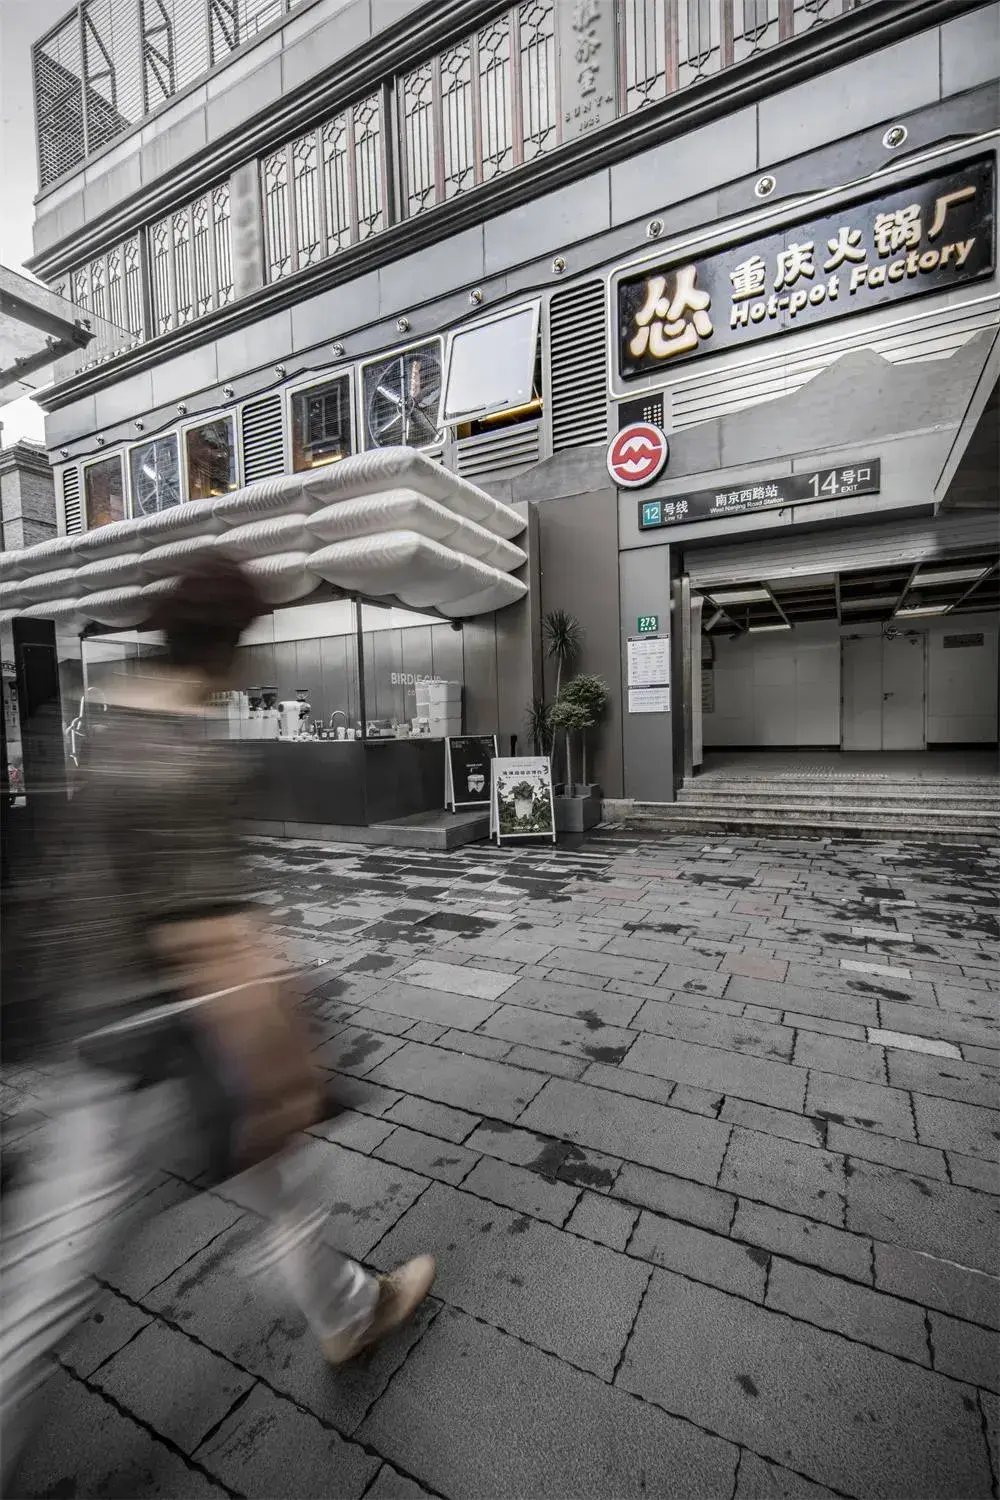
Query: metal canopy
(37, 327)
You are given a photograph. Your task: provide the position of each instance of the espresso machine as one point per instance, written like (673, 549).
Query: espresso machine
(293, 716)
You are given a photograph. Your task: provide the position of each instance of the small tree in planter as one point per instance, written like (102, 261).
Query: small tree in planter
(538, 718)
(589, 693)
(562, 635)
(568, 716)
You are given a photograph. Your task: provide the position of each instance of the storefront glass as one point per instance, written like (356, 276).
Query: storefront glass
(210, 454)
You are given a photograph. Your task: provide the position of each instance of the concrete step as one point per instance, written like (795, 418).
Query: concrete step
(957, 791)
(819, 821)
(823, 811)
(859, 798)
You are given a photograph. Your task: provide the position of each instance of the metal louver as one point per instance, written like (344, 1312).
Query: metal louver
(498, 453)
(578, 361)
(72, 502)
(263, 439)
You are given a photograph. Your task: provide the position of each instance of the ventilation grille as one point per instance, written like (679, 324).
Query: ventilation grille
(578, 339)
(504, 452)
(72, 502)
(263, 439)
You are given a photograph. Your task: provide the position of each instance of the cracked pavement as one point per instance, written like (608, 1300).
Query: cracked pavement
(705, 1138)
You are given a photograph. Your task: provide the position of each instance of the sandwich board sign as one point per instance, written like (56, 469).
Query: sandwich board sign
(467, 761)
(521, 804)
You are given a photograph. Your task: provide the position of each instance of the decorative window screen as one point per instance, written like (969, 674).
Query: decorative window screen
(191, 260)
(325, 190)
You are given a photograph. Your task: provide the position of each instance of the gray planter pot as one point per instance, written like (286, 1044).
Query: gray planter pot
(577, 814)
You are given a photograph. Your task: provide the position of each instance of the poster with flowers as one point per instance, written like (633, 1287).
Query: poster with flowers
(521, 805)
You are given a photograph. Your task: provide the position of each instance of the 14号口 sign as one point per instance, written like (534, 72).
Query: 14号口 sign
(928, 235)
(860, 478)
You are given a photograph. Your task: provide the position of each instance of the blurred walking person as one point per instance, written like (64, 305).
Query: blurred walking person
(170, 1017)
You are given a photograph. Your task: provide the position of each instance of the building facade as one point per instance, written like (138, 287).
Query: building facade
(504, 234)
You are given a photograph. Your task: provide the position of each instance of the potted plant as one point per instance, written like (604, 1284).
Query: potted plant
(590, 694)
(538, 719)
(562, 635)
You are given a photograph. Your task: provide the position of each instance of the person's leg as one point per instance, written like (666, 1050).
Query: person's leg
(60, 1227)
(346, 1307)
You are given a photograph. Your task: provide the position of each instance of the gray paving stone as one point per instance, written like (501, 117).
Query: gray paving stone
(957, 1127)
(363, 1196)
(391, 1485)
(561, 1293)
(656, 953)
(857, 1312)
(439, 1007)
(445, 1161)
(630, 1128)
(172, 1384)
(603, 1220)
(847, 1101)
(470, 1083)
(969, 1083)
(922, 1214)
(803, 1179)
(269, 1449)
(907, 1157)
(382, 1021)
(752, 1038)
(521, 1189)
(457, 979)
(359, 1094)
(780, 1122)
(759, 1480)
(881, 1427)
(167, 1240)
(586, 1036)
(968, 1353)
(696, 1101)
(832, 1054)
(547, 1429)
(920, 1020)
(711, 1068)
(938, 1283)
(692, 1252)
(826, 1028)
(472, 1044)
(433, 1119)
(111, 1324)
(556, 1064)
(551, 1158)
(854, 1009)
(676, 1197)
(610, 964)
(686, 979)
(89, 1448)
(972, 1171)
(623, 1081)
(253, 1324)
(355, 1050)
(693, 996)
(557, 998)
(424, 1031)
(356, 1131)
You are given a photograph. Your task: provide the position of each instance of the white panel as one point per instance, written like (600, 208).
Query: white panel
(961, 687)
(862, 689)
(777, 690)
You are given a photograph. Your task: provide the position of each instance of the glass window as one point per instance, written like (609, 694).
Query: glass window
(402, 397)
(491, 366)
(414, 674)
(104, 491)
(321, 424)
(154, 472)
(210, 453)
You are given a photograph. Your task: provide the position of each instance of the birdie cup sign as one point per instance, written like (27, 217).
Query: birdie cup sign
(637, 454)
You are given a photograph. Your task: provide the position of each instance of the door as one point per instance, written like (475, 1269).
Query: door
(903, 692)
(883, 693)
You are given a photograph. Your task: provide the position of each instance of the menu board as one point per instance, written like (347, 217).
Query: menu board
(521, 804)
(467, 761)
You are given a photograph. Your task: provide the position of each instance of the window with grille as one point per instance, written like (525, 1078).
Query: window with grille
(191, 260)
(210, 458)
(154, 475)
(325, 190)
(104, 491)
(321, 424)
(110, 288)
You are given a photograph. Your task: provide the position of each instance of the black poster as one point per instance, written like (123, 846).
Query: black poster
(469, 758)
(862, 477)
(929, 235)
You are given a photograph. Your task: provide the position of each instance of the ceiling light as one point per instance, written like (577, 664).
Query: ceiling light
(759, 629)
(742, 596)
(922, 609)
(873, 603)
(951, 575)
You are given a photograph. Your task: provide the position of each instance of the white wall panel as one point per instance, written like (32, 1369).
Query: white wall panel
(961, 686)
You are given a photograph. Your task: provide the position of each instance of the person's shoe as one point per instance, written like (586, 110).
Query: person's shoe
(400, 1294)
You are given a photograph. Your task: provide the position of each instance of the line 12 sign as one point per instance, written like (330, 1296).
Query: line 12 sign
(860, 478)
(928, 235)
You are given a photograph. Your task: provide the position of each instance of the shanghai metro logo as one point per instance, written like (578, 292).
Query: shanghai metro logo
(637, 454)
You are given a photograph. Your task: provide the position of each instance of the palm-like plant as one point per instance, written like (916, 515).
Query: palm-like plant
(563, 637)
(538, 719)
